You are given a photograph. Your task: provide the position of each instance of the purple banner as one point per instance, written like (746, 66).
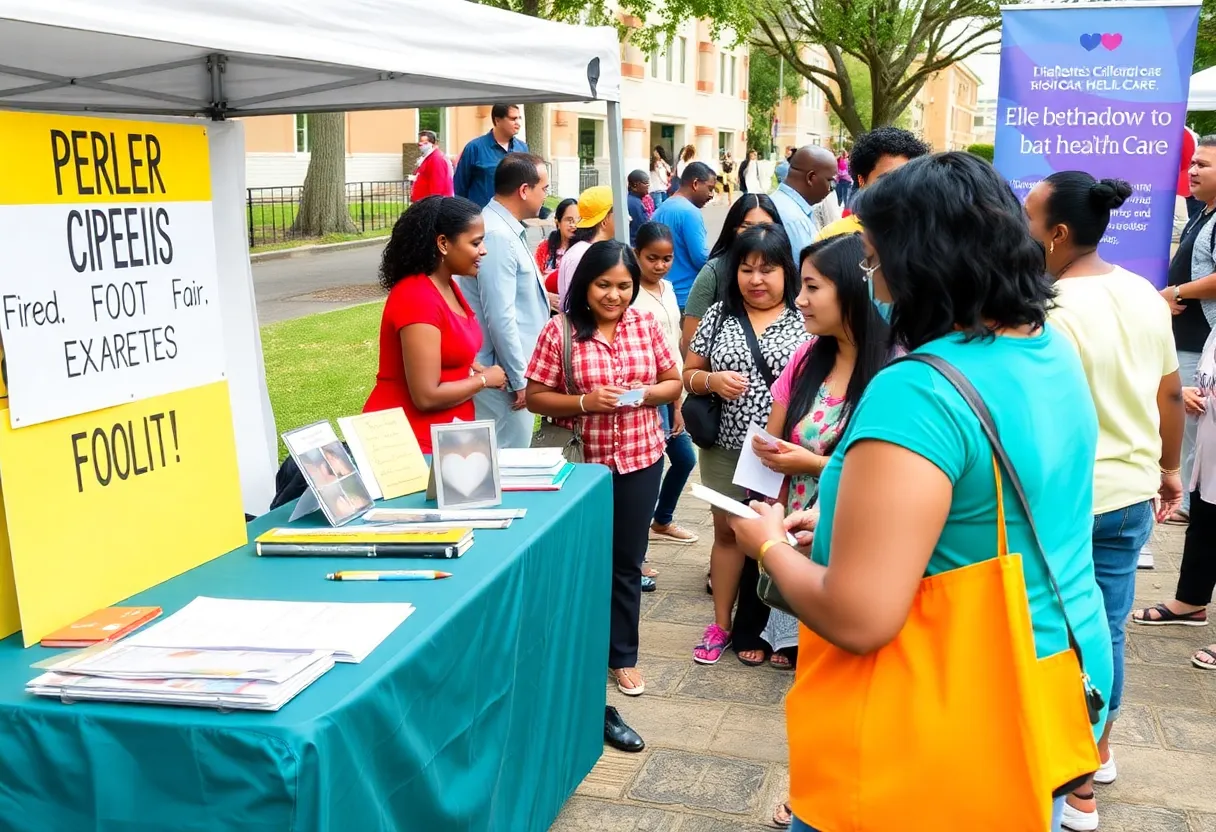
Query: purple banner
(1101, 87)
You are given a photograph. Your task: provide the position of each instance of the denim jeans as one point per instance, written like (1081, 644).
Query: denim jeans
(683, 460)
(1057, 812)
(1118, 537)
(658, 197)
(1188, 365)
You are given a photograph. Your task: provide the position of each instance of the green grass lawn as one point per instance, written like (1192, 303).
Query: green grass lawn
(322, 366)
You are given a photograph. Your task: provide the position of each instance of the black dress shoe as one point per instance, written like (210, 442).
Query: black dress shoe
(619, 735)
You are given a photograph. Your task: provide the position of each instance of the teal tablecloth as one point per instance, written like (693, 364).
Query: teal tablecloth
(482, 711)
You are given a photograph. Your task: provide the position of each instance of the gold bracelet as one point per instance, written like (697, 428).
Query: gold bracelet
(1171, 471)
(764, 547)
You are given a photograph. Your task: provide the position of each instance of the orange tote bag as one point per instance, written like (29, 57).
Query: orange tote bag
(956, 708)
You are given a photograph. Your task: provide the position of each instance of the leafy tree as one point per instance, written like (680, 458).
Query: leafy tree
(764, 95)
(1205, 57)
(323, 207)
(859, 77)
(984, 151)
(902, 44)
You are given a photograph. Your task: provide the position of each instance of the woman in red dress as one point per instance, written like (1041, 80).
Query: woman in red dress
(428, 335)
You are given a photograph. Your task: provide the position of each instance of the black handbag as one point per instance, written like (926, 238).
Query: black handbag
(703, 412)
(551, 434)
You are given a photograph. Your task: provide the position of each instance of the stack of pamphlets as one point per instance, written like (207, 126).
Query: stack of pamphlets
(391, 540)
(533, 469)
(258, 680)
(348, 630)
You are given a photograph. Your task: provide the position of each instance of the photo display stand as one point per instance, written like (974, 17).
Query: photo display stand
(464, 465)
(334, 484)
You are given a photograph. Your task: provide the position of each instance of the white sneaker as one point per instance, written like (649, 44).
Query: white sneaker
(1108, 772)
(1077, 820)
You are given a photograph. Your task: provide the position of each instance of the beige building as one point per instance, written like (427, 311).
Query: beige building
(692, 92)
(946, 110)
(805, 120)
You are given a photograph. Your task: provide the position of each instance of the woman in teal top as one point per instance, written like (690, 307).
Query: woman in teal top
(952, 263)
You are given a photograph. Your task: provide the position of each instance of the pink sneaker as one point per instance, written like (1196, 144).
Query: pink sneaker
(713, 644)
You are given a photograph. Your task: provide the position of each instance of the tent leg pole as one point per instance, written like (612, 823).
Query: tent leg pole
(616, 163)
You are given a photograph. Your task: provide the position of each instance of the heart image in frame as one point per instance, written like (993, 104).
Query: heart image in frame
(464, 473)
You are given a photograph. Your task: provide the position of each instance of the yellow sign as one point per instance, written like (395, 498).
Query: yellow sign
(109, 503)
(10, 620)
(80, 159)
(384, 442)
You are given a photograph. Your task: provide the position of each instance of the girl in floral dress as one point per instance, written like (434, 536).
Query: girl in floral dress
(822, 382)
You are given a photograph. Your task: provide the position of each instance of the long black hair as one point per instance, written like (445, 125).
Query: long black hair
(773, 246)
(955, 250)
(555, 236)
(597, 260)
(1083, 203)
(839, 260)
(411, 249)
(662, 151)
(734, 219)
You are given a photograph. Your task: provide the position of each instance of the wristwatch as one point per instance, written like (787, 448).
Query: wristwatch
(1177, 294)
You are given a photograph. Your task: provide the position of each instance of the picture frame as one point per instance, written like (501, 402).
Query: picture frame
(464, 465)
(334, 483)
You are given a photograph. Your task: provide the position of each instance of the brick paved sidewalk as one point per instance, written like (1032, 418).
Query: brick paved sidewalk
(715, 759)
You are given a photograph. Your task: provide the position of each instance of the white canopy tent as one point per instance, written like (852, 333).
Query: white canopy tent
(230, 58)
(1202, 97)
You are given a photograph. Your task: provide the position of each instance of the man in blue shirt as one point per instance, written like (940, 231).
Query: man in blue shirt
(811, 177)
(682, 214)
(474, 179)
(508, 296)
(639, 186)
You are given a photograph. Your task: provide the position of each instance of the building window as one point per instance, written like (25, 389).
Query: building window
(654, 64)
(302, 143)
(683, 58)
(734, 75)
(669, 55)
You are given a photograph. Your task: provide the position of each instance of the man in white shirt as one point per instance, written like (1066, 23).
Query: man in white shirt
(811, 177)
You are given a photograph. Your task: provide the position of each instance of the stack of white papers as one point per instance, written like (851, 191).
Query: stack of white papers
(347, 630)
(531, 469)
(237, 679)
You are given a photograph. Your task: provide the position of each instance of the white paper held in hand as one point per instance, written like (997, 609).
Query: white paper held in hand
(631, 397)
(734, 507)
(750, 472)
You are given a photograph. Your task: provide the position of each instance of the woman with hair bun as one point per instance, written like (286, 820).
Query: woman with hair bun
(428, 334)
(1122, 330)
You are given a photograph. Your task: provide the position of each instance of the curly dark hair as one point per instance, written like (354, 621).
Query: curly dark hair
(955, 250)
(883, 141)
(412, 249)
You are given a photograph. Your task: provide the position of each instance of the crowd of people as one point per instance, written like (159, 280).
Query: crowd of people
(928, 353)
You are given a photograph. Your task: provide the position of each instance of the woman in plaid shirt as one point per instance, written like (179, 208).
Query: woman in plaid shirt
(615, 348)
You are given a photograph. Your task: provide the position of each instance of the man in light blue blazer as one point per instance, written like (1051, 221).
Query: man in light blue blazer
(508, 295)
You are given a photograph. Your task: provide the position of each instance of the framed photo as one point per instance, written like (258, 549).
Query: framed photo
(333, 480)
(464, 464)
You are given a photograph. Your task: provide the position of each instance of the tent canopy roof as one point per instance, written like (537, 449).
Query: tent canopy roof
(1203, 91)
(226, 58)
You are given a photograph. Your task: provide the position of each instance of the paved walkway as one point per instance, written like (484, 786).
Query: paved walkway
(325, 281)
(716, 754)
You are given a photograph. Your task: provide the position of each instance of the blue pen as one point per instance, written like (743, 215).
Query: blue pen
(393, 575)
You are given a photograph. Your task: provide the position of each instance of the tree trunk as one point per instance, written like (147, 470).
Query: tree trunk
(536, 128)
(323, 205)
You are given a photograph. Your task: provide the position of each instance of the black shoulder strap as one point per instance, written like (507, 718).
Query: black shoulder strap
(972, 397)
(754, 345)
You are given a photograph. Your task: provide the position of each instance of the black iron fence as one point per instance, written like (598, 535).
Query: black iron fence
(373, 206)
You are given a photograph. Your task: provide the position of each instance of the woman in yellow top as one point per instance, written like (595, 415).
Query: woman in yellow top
(1123, 332)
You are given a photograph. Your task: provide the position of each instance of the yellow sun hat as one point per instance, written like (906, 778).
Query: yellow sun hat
(593, 205)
